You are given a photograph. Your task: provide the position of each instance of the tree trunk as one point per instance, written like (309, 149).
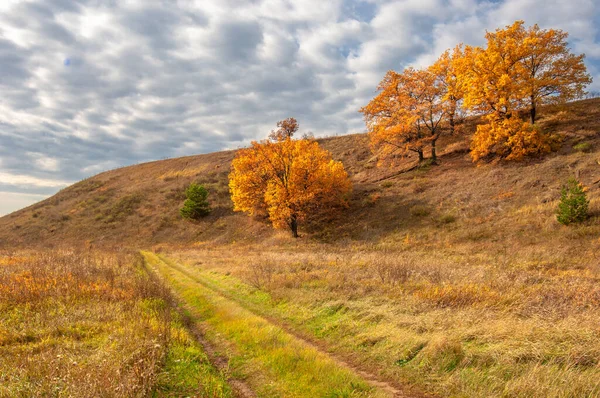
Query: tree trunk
(532, 110)
(421, 157)
(294, 225)
(433, 153)
(451, 124)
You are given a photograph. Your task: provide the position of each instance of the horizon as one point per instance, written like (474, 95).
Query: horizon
(77, 101)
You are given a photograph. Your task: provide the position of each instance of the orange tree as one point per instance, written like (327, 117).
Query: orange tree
(447, 69)
(287, 180)
(519, 69)
(552, 73)
(407, 114)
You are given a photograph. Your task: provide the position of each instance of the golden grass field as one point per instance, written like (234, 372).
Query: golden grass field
(450, 323)
(90, 324)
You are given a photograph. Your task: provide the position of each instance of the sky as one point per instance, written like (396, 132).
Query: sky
(91, 85)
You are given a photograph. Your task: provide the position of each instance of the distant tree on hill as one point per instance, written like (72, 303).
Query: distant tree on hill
(519, 69)
(196, 205)
(285, 129)
(286, 179)
(408, 113)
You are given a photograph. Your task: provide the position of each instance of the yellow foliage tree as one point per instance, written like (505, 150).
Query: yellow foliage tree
(407, 114)
(447, 70)
(510, 138)
(287, 180)
(519, 69)
(552, 73)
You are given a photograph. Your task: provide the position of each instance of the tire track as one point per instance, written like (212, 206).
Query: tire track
(240, 388)
(393, 389)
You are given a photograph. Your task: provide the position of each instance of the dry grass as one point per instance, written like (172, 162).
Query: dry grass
(85, 324)
(451, 322)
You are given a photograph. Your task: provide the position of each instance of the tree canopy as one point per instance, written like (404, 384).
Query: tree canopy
(407, 114)
(286, 179)
(519, 69)
(196, 205)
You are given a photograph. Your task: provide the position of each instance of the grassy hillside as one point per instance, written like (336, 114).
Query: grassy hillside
(452, 280)
(453, 203)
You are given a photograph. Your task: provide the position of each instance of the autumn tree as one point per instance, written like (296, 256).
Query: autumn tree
(407, 114)
(385, 116)
(285, 129)
(447, 70)
(286, 179)
(552, 73)
(519, 69)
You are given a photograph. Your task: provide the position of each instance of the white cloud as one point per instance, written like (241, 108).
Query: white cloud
(12, 201)
(45, 163)
(22, 180)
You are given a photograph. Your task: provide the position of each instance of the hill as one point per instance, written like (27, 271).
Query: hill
(443, 281)
(454, 202)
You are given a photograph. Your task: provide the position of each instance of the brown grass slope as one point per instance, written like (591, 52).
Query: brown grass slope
(453, 203)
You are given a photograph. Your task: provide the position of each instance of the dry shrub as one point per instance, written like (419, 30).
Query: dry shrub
(562, 298)
(459, 295)
(184, 173)
(420, 211)
(393, 271)
(260, 274)
(419, 188)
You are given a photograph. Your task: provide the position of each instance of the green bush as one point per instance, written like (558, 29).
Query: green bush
(573, 205)
(583, 147)
(196, 205)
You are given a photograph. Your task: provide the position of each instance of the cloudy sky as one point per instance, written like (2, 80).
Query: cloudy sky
(87, 86)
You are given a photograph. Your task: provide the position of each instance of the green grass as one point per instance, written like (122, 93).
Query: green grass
(187, 370)
(275, 363)
(583, 147)
(443, 340)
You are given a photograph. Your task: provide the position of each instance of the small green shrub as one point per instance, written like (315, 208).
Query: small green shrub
(583, 147)
(196, 205)
(573, 205)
